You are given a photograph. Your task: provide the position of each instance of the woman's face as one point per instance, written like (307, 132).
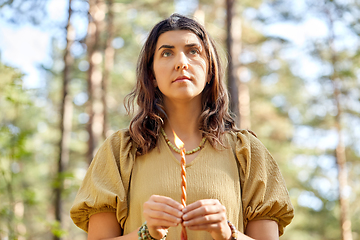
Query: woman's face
(180, 66)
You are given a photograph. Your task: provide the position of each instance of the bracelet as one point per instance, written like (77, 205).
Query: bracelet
(233, 230)
(144, 234)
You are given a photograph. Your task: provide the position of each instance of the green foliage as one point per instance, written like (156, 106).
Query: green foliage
(308, 100)
(57, 230)
(289, 116)
(16, 155)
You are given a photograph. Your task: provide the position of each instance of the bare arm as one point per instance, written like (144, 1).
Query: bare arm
(262, 230)
(105, 226)
(160, 213)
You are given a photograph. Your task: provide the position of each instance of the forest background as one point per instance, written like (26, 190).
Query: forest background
(293, 75)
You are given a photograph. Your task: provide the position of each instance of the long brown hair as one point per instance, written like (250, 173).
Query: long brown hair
(215, 118)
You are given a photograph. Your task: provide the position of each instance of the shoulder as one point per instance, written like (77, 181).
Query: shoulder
(119, 145)
(248, 148)
(120, 134)
(120, 138)
(243, 137)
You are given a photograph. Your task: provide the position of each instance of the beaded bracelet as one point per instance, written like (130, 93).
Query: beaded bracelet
(233, 230)
(144, 234)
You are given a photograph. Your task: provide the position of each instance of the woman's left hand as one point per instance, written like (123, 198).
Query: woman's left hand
(207, 215)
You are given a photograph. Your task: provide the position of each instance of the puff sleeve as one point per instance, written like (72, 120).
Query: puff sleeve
(264, 193)
(106, 183)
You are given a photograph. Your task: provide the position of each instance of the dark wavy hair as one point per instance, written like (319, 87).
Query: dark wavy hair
(215, 118)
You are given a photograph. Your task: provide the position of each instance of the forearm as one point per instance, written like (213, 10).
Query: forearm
(131, 236)
(241, 236)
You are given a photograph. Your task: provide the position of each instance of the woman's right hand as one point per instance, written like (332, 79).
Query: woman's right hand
(160, 213)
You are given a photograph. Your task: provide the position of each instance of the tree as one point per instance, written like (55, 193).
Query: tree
(336, 78)
(325, 114)
(10, 148)
(65, 123)
(288, 115)
(233, 29)
(95, 75)
(21, 188)
(108, 64)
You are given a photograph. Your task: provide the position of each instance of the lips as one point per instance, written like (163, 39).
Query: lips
(182, 78)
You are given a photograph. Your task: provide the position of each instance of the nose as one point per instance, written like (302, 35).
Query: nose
(182, 63)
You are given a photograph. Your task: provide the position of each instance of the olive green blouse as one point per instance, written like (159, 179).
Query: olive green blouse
(243, 177)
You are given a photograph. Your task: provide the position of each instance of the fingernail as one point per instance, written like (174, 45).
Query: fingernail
(185, 216)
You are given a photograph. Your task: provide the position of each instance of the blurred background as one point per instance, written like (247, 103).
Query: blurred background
(66, 66)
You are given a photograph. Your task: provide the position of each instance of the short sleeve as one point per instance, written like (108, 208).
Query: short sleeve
(264, 193)
(106, 182)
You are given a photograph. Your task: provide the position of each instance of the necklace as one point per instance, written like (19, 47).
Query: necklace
(176, 149)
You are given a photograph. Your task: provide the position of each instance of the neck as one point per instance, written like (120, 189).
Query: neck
(183, 119)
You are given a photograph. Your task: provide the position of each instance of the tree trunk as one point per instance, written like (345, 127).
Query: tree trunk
(108, 64)
(345, 221)
(65, 122)
(95, 77)
(342, 174)
(233, 44)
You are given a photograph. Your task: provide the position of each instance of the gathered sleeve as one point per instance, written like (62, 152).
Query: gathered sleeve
(106, 183)
(264, 193)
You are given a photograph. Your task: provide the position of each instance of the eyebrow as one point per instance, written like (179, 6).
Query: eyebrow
(187, 45)
(193, 45)
(165, 46)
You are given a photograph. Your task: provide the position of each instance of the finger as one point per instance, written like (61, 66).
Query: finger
(204, 210)
(162, 215)
(200, 203)
(204, 227)
(205, 220)
(163, 208)
(166, 200)
(161, 222)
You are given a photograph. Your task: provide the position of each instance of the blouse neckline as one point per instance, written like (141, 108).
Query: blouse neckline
(168, 151)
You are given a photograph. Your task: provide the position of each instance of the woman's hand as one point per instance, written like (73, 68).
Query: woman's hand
(161, 213)
(207, 215)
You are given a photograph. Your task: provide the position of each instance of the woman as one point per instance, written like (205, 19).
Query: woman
(234, 187)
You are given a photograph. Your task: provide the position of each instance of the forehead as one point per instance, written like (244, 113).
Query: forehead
(178, 37)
